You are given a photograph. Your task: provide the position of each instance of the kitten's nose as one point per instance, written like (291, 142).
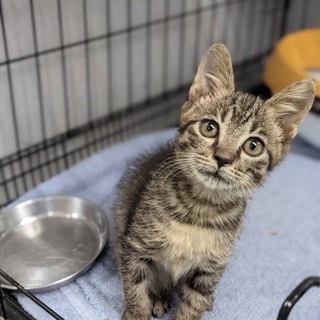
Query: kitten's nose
(223, 157)
(222, 161)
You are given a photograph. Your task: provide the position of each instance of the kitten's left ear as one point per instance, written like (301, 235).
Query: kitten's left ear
(292, 104)
(214, 73)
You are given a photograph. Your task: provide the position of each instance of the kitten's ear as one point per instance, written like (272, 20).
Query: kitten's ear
(214, 73)
(292, 104)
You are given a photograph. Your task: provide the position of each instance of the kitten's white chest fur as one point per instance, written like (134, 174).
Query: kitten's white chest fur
(189, 246)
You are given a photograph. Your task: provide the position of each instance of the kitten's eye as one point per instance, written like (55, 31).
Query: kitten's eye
(253, 147)
(209, 129)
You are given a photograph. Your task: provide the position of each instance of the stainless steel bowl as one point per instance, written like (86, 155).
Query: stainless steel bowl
(50, 241)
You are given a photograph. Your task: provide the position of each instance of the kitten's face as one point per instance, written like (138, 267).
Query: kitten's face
(231, 140)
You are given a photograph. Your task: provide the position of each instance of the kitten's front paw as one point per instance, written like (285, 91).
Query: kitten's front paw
(160, 308)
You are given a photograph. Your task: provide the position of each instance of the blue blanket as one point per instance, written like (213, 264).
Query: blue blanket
(279, 247)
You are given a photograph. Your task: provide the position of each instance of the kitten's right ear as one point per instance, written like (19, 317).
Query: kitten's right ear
(291, 105)
(214, 75)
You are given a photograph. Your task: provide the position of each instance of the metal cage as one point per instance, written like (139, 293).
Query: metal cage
(171, 35)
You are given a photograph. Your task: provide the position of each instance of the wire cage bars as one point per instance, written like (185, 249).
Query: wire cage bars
(77, 76)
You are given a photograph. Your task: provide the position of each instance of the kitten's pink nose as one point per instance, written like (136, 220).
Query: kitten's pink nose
(223, 157)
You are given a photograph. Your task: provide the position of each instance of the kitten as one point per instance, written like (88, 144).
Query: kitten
(181, 207)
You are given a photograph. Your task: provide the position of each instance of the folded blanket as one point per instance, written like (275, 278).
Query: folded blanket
(279, 247)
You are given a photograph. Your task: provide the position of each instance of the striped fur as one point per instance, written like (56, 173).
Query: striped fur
(178, 214)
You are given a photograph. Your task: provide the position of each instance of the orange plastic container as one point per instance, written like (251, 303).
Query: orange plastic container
(296, 57)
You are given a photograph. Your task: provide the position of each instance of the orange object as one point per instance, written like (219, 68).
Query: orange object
(296, 57)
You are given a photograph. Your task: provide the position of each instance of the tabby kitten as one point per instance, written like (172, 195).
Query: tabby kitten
(181, 208)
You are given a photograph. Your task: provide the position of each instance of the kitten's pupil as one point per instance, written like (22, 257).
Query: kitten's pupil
(208, 129)
(253, 145)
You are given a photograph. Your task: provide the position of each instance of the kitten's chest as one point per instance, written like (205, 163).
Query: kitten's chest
(188, 246)
(195, 240)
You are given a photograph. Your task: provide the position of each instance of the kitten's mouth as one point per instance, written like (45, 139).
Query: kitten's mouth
(217, 175)
(211, 174)
(214, 174)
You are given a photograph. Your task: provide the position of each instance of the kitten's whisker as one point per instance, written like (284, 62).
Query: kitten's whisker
(242, 182)
(177, 165)
(171, 162)
(167, 162)
(180, 166)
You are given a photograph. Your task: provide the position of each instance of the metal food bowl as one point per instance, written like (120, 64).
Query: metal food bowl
(50, 241)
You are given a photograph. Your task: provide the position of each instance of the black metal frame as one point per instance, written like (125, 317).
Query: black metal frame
(6, 299)
(296, 295)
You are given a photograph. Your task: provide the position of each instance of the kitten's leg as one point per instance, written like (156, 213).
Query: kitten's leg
(161, 303)
(161, 291)
(197, 294)
(136, 281)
